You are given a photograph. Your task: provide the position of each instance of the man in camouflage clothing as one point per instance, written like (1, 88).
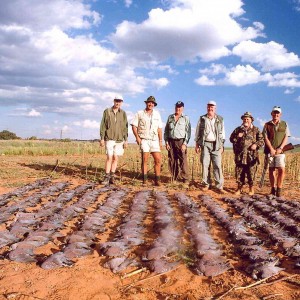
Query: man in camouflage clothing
(246, 140)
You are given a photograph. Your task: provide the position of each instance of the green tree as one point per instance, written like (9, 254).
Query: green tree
(7, 135)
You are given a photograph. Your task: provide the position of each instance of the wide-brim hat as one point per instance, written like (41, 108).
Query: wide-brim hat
(151, 99)
(247, 115)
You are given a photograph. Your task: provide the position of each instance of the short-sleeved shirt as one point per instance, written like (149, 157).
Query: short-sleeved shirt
(147, 125)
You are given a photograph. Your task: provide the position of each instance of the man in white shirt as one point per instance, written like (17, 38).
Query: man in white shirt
(210, 137)
(147, 129)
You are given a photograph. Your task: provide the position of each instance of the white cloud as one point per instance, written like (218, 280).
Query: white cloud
(33, 113)
(189, 29)
(269, 56)
(92, 124)
(204, 80)
(128, 3)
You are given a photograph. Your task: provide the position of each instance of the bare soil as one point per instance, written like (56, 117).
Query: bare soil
(88, 279)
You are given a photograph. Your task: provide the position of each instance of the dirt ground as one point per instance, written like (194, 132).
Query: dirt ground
(88, 279)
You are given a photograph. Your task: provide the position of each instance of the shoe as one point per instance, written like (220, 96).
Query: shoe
(251, 191)
(157, 183)
(205, 188)
(221, 191)
(112, 179)
(106, 180)
(273, 191)
(238, 190)
(278, 192)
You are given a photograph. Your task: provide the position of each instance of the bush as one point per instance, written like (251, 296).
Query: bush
(7, 135)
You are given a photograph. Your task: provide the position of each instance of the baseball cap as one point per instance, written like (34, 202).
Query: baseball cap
(211, 102)
(276, 108)
(179, 104)
(118, 98)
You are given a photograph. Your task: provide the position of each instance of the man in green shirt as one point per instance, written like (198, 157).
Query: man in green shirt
(113, 135)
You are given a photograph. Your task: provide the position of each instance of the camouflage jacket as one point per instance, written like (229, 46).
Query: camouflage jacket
(241, 145)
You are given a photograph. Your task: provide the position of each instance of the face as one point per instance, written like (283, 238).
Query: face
(211, 109)
(149, 105)
(247, 122)
(276, 116)
(179, 110)
(117, 104)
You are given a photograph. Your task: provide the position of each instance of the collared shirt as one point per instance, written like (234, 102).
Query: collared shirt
(209, 130)
(114, 125)
(147, 125)
(180, 129)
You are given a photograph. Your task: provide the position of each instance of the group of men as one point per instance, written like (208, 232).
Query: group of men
(209, 139)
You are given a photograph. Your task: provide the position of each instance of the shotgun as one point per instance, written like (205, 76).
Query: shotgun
(287, 147)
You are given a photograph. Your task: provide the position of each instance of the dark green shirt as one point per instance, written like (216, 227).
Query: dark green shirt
(114, 126)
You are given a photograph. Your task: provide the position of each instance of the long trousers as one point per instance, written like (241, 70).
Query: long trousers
(178, 164)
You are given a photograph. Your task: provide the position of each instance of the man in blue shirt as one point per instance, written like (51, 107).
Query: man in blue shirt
(177, 135)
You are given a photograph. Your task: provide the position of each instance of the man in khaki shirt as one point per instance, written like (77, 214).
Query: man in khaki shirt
(113, 134)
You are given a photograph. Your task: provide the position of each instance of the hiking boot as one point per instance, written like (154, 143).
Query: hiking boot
(273, 191)
(221, 191)
(238, 190)
(278, 192)
(251, 191)
(112, 179)
(157, 181)
(205, 188)
(106, 180)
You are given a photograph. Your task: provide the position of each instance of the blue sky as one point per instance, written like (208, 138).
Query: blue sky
(63, 61)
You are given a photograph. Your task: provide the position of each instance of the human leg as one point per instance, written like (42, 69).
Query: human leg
(217, 168)
(157, 166)
(205, 162)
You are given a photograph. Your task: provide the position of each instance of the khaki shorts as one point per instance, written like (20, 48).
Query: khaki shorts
(277, 161)
(114, 148)
(150, 146)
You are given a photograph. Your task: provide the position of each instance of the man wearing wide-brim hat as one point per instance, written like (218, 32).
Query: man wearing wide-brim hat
(147, 129)
(246, 140)
(276, 133)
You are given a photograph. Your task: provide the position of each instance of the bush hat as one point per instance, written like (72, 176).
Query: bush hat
(276, 108)
(211, 102)
(118, 98)
(247, 114)
(151, 99)
(179, 104)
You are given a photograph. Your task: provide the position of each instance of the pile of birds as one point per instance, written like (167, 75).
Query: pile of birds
(210, 260)
(278, 230)
(129, 235)
(263, 263)
(79, 243)
(168, 239)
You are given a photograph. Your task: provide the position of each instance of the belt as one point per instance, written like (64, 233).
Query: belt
(177, 139)
(209, 141)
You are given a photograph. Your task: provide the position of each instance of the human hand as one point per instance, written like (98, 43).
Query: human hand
(102, 143)
(253, 147)
(183, 147)
(125, 144)
(168, 147)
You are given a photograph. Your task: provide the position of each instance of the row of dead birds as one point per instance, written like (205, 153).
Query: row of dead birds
(279, 235)
(80, 242)
(8, 210)
(24, 222)
(262, 261)
(210, 260)
(48, 229)
(5, 198)
(129, 235)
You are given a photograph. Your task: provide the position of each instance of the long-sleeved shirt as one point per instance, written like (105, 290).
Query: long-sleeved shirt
(114, 126)
(180, 129)
(242, 145)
